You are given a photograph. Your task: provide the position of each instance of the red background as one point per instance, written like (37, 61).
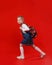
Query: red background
(37, 13)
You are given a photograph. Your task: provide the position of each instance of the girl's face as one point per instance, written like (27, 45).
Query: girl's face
(20, 20)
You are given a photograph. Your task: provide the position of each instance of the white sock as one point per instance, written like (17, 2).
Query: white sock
(39, 50)
(22, 51)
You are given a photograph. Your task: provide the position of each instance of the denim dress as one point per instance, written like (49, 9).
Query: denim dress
(27, 38)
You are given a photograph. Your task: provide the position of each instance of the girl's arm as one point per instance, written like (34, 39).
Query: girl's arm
(24, 30)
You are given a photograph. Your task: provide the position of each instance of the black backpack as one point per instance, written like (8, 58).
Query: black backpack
(33, 32)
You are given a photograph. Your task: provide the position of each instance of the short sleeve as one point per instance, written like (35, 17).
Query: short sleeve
(25, 27)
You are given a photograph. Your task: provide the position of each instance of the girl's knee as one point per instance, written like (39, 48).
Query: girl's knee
(21, 45)
(33, 45)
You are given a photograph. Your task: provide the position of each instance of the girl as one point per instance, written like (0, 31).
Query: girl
(28, 40)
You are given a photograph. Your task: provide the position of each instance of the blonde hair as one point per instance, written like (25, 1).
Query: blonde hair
(20, 17)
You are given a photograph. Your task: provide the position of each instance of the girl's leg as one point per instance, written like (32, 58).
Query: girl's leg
(21, 52)
(39, 50)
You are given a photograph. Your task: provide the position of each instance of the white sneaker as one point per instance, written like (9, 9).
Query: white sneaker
(20, 57)
(42, 55)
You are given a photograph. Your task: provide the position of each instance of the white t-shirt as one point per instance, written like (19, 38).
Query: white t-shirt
(25, 28)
